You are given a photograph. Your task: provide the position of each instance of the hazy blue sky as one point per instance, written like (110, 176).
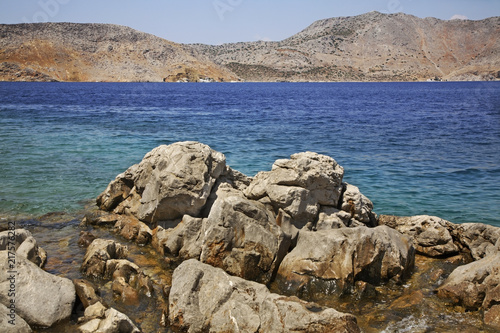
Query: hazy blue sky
(221, 21)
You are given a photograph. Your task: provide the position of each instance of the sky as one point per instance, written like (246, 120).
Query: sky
(227, 21)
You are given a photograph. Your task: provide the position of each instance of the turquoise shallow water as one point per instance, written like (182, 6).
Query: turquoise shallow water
(412, 148)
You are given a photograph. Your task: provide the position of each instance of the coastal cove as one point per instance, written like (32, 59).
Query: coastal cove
(412, 148)
(252, 207)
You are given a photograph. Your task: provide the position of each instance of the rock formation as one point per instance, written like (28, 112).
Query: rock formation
(371, 47)
(299, 186)
(331, 261)
(431, 235)
(297, 226)
(204, 298)
(169, 182)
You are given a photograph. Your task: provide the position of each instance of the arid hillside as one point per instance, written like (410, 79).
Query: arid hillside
(98, 52)
(371, 47)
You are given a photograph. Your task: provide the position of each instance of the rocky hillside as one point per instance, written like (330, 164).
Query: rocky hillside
(371, 47)
(98, 52)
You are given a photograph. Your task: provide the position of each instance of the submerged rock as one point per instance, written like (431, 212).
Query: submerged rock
(204, 298)
(169, 182)
(41, 299)
(86, 292)
(97, 255)
(331, 261)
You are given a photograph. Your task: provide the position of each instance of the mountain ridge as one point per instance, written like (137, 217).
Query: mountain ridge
(371, 47)
(97, 52)
(367, 47)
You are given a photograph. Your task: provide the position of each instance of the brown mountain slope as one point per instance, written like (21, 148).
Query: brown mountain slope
(97, 52)
(371, 47)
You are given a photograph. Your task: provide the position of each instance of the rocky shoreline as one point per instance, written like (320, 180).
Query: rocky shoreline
(291, 249)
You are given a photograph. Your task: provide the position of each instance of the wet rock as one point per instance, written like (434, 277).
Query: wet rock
(100, 218)
(98, 253)
(492, 317)
(299, 186)
(142, 283)
(134, 230)
(364, 289)
(205, 298)
(358, 206)
(127, 294)
(333, 260)
(10, 322)
(42, 299)
(118, 322)
(432, 236)
(474, 286)
(120, 268)
(480, 239)
(25, 245)
(407, 301)
(86, 292)
(86, 238)
(169, 182)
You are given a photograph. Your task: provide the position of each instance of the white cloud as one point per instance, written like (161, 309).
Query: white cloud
(459, 17)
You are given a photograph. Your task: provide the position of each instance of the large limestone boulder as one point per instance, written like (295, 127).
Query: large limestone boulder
(299, 186)
(169, 182)
(242, 237)
(206, 299)
(432, 236)
(25, 245)
(331, 261)
(239, 235)
(475, 285)
(41, 299)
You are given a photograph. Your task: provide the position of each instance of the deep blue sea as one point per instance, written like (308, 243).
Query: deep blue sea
(412, 148)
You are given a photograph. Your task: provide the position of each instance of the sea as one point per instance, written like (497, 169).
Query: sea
(412, 148)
